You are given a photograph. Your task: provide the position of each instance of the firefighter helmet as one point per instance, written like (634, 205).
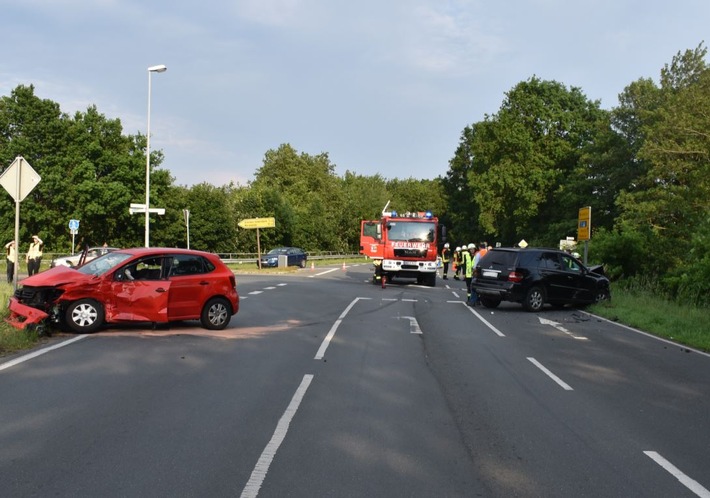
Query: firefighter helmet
(472, 245)
(458, 248)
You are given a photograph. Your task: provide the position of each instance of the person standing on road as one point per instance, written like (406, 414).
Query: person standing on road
(467, 268)
(11, 252)
(445, 260)
(475, 258)
(457, 262)
(34, 255)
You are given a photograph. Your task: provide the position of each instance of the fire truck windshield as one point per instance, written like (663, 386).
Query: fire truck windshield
(411, 231)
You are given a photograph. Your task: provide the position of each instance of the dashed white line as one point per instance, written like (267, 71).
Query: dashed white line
(554, 377)
(689, 483)
(251, 490)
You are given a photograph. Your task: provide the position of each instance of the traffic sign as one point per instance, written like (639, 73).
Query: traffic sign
(140, 208)
(73, 225)
(584, 223)
(19, 179)
(258, 223)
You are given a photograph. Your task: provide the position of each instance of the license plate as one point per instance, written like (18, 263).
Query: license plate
(490, 273)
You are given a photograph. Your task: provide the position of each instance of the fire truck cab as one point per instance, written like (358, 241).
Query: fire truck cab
(402, 245)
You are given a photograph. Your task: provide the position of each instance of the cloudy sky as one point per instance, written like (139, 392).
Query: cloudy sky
(382, 86)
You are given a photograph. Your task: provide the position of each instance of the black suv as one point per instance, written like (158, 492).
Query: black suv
(535, 276)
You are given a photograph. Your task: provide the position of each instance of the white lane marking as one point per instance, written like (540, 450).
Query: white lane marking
(324, 272)
(326, 342)
(389, 299)
(456, 295)
(554, 377)
(559, 327)
(269, 288)
(498, 332)
(409, 300)
(651, 336)
(40, 352)
(413, 325)
(251, 490)
(686, 481)
(280, 285)
(255, 292)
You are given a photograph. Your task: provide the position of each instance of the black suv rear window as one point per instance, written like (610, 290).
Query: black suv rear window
(497, 259)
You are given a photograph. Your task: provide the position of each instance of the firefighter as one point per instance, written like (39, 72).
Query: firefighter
(377, 277)
(467, 268)
(457, 262)
(445, 260)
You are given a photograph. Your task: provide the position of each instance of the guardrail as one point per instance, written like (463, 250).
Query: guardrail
(252, 257)
(234, 257)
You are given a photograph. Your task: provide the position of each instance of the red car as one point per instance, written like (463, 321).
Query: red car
(130, 285)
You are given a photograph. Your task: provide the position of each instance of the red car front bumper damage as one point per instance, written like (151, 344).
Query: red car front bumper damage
(22, 315)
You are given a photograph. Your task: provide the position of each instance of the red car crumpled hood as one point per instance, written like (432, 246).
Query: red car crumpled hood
(57, 276)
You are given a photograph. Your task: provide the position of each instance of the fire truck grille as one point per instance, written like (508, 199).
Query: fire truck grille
(410, 253)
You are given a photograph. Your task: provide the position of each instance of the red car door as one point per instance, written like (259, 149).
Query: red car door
(140, 300)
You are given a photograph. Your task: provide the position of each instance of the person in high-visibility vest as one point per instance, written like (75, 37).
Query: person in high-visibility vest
(34, 255)
(11, 253)
(467, 268)
(445, 260)
(457, 262)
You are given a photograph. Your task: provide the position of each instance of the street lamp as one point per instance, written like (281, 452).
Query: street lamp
(152, 69)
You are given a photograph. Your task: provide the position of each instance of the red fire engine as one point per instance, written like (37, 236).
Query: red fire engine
(402, 245)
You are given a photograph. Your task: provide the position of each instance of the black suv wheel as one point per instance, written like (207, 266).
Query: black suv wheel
(534, 299)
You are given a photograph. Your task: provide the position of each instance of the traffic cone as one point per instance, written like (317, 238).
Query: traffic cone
(313, 266)
(343, 265)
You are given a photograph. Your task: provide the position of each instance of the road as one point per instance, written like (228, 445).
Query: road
(325, 385)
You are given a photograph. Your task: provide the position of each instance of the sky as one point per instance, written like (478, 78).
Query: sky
(382, 86)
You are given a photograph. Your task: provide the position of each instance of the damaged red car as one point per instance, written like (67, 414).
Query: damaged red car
(155, 285)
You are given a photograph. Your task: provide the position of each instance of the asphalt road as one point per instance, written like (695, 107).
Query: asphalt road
(325, 385)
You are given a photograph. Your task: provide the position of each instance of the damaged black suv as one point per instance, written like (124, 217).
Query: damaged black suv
(535, 276)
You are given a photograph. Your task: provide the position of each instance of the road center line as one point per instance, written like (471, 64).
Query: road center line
(554, 377)
(29, 356)
(498, 332)
(251, 490)
(326, 342)
(324, 272)
(686, 481)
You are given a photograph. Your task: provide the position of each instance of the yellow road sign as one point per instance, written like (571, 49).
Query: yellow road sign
(258, 223)
(584, 224)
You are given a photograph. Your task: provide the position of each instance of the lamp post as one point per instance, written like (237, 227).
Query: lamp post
(152, 69)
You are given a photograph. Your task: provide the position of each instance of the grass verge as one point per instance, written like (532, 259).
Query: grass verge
(643, 310)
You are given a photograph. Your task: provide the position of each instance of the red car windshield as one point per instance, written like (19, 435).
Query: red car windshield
(103, 264)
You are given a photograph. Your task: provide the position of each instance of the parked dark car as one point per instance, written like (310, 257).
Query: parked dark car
(295, 257)
(535, 276)
(156, 285)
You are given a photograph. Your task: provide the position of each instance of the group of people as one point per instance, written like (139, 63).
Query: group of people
(32, 258)
(464, 259)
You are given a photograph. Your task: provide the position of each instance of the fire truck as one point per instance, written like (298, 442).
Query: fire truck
(402, 245)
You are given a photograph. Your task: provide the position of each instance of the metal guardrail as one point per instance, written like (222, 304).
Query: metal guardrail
(235, 257)
(240, 258)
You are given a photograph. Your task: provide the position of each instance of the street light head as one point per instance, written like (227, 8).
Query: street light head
(161, 68)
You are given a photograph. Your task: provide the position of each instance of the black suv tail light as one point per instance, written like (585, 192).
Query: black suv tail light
(514, 276)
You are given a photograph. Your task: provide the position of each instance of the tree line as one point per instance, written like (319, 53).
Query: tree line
(523, 172)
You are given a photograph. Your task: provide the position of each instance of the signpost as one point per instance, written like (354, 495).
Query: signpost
(19, 179)
(257, 223)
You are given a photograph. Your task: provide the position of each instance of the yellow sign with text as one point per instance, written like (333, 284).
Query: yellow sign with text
(258, 223)
(584, 223)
